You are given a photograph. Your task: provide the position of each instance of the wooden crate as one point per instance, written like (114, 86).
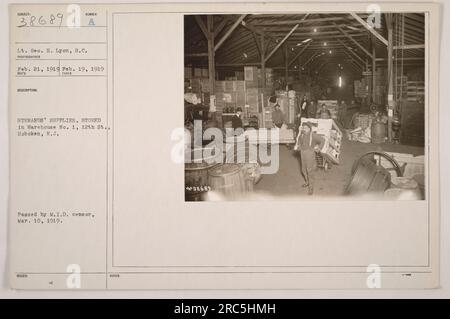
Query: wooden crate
(187, 72)
(239, 86)
(412, 123)
(198, 72)
(219, 86)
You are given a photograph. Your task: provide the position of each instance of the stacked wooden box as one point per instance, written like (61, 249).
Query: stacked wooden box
(269, 77)
(253, 100)
(380, 85)
(188, 73)
(292, 96)
(229, 94)
(251, 76)
(283, 101)
(288, 102)
(361, 87)
(401, 86)
(271, 136)
(415, 91)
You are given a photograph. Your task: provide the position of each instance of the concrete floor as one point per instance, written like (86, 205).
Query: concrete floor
(288, 180)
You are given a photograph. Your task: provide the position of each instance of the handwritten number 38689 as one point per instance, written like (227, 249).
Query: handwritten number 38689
(34, 21)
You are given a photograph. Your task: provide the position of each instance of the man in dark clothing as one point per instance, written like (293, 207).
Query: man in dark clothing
(236, 122)
(323, 112)
(300, 112)
(277, 116)
(303, 107)
(308, 143)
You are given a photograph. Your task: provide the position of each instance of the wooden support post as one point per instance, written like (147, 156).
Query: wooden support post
(286, 64)
(211, 54)
(390, 47)
(374, 78)
(263, 60)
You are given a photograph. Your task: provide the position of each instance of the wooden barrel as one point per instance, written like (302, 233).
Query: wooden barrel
(196, 178)
(228, 180)
(403, 188)
(378, 132)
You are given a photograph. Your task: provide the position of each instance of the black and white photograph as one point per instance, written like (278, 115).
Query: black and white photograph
(299, 106)
(235, 149)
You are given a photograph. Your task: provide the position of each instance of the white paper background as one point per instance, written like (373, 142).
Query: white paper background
(445, 231)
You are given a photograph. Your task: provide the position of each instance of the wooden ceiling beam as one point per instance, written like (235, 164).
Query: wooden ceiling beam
(280, 43)
(220, 26)
(353, 53)
(299, 53)
(311, 34)
(239, 46)
(291, 22)
(311, 27)
(369, 28)
(229, 32)
(355, 62)
(257, 43)
(196, 55)
(309, 59)
(409, 46)
(285, 38)
(202, 25)
(355, 42)
(257, 30)
(325, 37)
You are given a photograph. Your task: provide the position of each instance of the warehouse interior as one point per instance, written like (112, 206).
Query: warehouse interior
(358, 80)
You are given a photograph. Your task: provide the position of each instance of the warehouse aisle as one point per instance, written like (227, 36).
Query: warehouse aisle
(288, 181)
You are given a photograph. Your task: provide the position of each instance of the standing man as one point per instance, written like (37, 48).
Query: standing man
(308, 143)
(301, 112)
(312, 109)
(277, 116)
(236, 122)
(303, 107)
